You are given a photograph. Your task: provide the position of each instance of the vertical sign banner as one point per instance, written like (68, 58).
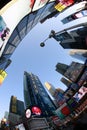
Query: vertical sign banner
(3, 75)
(39, 4)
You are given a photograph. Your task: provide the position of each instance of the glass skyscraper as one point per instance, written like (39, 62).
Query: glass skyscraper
(36, 95)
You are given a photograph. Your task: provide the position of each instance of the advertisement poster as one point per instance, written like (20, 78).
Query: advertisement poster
(39, 4)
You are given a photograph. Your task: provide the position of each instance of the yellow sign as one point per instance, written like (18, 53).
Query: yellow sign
(60, 7)
(3, 75)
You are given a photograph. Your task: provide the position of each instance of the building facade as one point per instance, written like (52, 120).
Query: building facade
(29, 15)
(51, 89)
(16, 110)
(36, 95)
(78, 54)
(72, 71)
(73, 33)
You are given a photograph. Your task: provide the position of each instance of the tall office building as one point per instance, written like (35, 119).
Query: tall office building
(16, 110)
(78, 54)
(73, 34)
(36, 95)
(66, 81)
(72, 72)
(58, 95)
(61, 68)
(51, 89)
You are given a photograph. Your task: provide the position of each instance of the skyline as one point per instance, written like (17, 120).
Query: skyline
(40, 61)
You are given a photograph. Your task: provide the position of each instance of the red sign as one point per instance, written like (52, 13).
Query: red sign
(36, 110)
(65, 110)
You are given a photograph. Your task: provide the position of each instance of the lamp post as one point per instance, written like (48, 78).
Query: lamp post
(52, 33)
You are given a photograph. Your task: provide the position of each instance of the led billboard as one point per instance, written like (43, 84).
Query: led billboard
(82, 91)
(39, 4)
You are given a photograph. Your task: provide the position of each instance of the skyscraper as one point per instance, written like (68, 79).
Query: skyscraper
(61, 68)
(78, 54)
(36, 95)
(16, 110)
(51, 89)
(66, 81)
(73, 33)
(71, 72)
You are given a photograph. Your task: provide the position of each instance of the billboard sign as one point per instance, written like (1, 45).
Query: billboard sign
(63, 111)
(62, 4)
(82, 91)
(3, 75)
(8, 21)
(39, 4)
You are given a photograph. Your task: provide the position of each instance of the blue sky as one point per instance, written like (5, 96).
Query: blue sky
(30, 57)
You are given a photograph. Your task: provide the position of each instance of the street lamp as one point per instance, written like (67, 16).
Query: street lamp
(52, 33)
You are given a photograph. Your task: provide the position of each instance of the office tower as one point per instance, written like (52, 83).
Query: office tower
(61, 68)
(51, 89)
(14, 29)
(58, 95)
(73, 33)
(36, 95)
(72, 72)
(16, 110)
(66, 81)
(78, 54)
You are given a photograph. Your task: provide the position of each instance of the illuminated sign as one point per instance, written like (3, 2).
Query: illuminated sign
(39, 4)
(62, 4)
(36, 110)
(28, 113)
(3, 75)
(82, 91)
(63, 111)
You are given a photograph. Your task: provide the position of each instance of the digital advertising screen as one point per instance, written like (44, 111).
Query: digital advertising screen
(81, 92)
